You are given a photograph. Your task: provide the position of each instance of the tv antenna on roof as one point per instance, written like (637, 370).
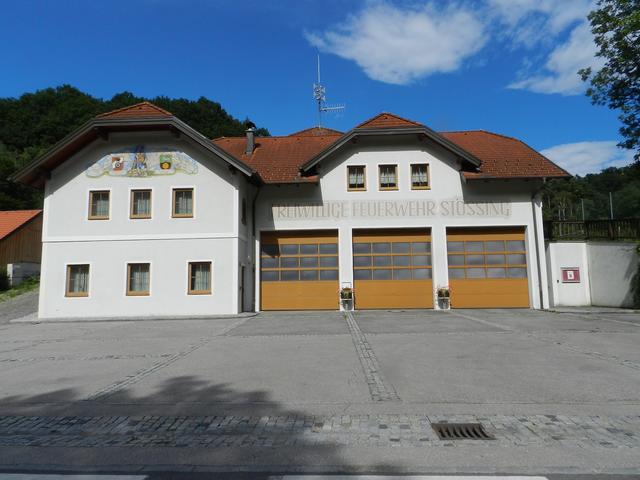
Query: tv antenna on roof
(319, 96)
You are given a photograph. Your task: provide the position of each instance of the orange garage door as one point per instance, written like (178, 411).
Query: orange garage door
(392, 269)
(487, 268)
(299, 270)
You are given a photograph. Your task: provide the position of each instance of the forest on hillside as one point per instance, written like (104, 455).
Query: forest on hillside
(32, 123)
(587, 197)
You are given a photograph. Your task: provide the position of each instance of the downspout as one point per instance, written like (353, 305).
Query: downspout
(535, 235)
(255, 257)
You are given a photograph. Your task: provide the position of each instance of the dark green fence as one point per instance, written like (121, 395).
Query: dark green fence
(626, 229)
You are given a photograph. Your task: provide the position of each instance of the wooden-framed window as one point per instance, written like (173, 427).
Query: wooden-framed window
(99, 204)
(138, 279)
(140, 204)
(199, 278)
(420, 176)
(182, 203)
(77, 284)
(388, 177)
(356, 178)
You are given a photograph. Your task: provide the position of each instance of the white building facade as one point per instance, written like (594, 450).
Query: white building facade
(143, 216)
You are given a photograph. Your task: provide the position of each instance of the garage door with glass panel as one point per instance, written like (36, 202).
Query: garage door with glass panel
(487, 268)
(299, 271)
(392, 269)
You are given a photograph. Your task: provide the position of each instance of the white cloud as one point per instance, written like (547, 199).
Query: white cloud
(561, 68)
(529, 22)
(402, 42)
(399, 46)
(588, 157)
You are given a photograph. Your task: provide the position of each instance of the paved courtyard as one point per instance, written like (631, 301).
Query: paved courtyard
(321, 391)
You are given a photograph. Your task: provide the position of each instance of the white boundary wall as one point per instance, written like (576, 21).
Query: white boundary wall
(606, 273)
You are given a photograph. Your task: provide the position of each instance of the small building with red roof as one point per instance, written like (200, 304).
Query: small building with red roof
(20, 242)
(144, 216)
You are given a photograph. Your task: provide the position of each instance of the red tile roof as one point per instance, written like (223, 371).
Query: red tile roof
(11, 220)
(278, 159)
(388, 120)
(316, 132)
(504, 157)
(142, 109)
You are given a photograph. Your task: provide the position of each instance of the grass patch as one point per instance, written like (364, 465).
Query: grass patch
(28, 285)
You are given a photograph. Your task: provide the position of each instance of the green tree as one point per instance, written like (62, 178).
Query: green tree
(616, 28)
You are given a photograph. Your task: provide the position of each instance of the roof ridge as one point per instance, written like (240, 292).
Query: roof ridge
(476, 130)
(136, 105)
(310, 129)
(397, 117)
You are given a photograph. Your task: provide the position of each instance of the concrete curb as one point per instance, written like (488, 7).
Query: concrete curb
(33, 318)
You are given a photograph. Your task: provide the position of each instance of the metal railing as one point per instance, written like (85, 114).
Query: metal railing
(624, 229)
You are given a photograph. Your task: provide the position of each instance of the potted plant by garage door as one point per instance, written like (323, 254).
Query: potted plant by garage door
(346, 298)
(444, 298)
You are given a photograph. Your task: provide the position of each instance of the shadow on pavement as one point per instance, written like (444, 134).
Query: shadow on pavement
(263, 441)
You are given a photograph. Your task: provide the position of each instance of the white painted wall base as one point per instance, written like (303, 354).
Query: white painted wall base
(612, 266)
(19, 272)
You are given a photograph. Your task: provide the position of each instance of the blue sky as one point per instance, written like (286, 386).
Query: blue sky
(506, 66)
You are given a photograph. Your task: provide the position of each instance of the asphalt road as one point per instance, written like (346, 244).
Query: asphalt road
(318, 392)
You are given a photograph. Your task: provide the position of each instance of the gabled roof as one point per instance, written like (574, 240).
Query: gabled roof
(281, 159)
(290, 159)
(387, 124)
(388, 120)
(504, 157)
(141, 117)
(11, 220)
(278, 159)
(142, 109)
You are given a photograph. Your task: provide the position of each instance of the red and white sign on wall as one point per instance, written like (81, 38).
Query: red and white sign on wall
(570, 275)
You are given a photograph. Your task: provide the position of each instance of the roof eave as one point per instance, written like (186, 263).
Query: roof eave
(363, 132)
(513, 177)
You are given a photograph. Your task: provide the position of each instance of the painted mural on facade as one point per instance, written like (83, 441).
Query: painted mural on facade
(141, 162)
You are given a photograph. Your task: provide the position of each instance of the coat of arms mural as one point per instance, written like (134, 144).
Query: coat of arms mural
(141, 162)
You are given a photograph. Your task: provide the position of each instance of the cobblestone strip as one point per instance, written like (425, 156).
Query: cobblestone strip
(136, 377)
(380, 390)
(308, 430)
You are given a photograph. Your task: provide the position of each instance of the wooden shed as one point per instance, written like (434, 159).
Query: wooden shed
(20, 236)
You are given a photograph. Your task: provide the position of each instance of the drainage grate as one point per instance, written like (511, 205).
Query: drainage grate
(461, 431)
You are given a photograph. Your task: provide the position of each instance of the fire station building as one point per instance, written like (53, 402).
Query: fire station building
(143, 215)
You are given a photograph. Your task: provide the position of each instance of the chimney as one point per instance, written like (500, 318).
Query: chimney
(250, 140)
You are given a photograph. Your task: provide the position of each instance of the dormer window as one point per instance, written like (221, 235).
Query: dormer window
(388, 175)
(356, 180)
(420, 176)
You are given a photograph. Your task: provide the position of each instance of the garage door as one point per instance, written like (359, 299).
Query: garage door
(392, 269)
(299, 271)
(487, 268)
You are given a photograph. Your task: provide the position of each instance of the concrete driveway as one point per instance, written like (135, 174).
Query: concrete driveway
(321, 391)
